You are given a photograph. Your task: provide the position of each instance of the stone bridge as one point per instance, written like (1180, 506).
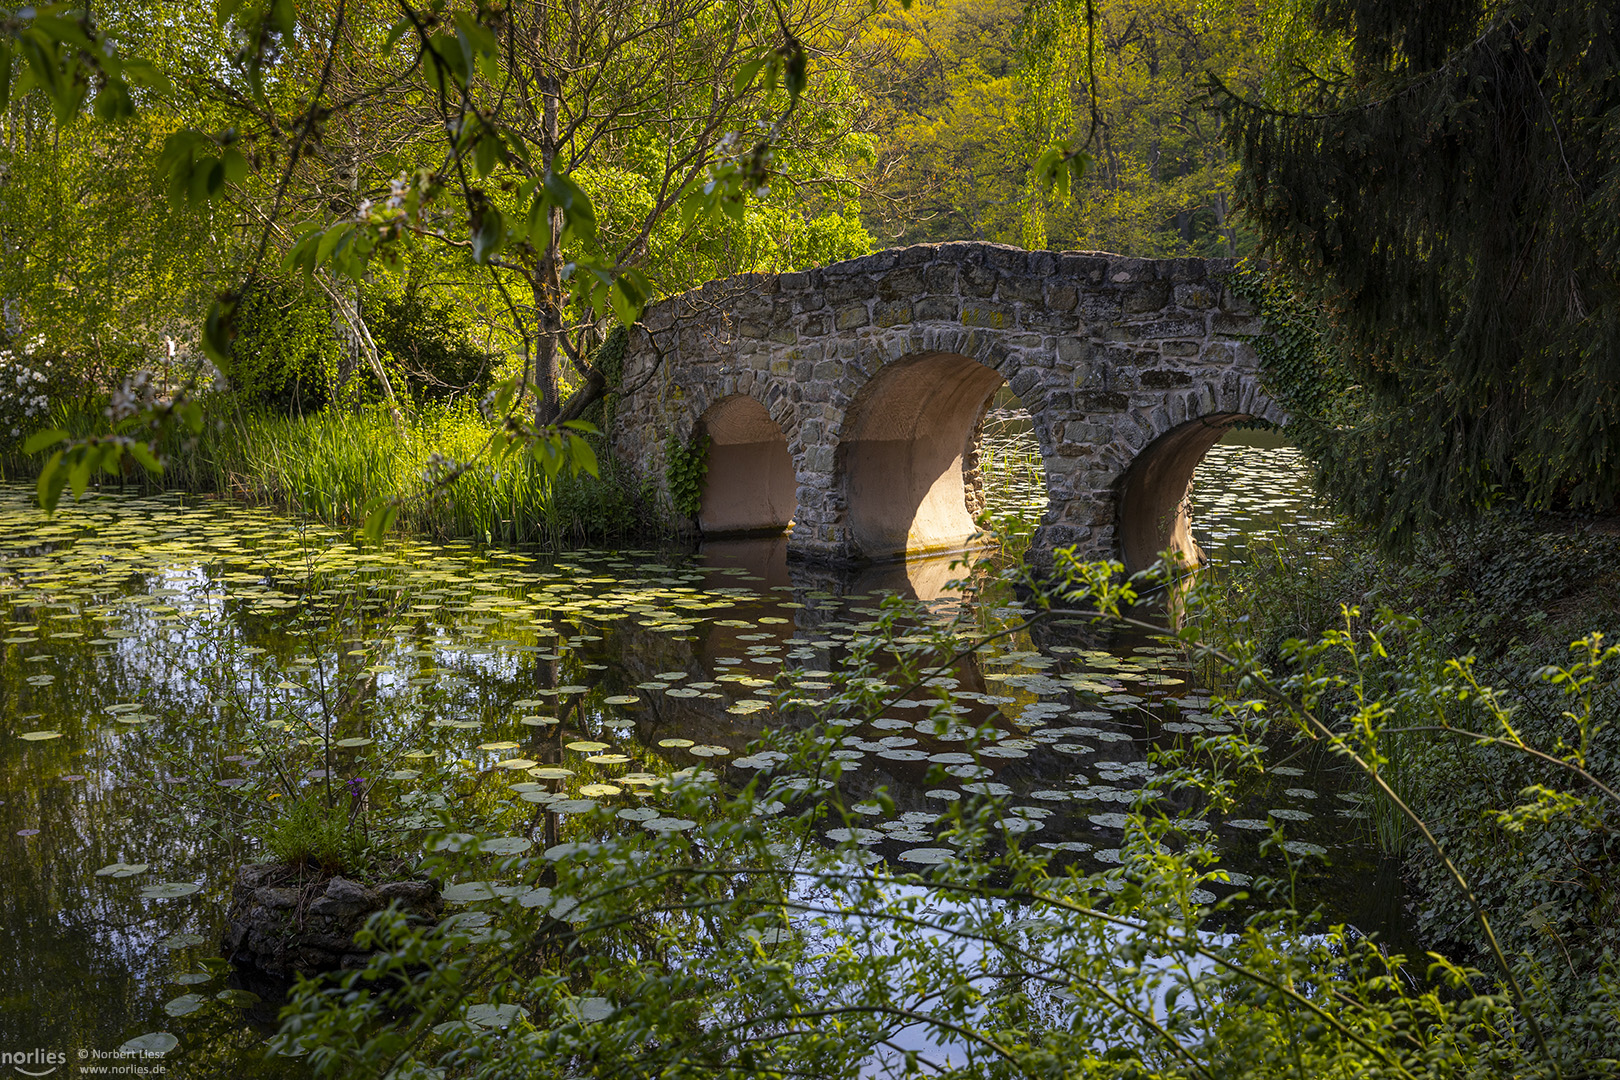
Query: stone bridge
(845, 402)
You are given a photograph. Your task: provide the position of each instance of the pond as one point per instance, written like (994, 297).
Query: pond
(164, 658)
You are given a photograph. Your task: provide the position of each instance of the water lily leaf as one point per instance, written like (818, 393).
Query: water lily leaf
(192, 978)
(496, 1016)
(516, 763)
(353, 742)
(153, 1042)
(551, 772)
(927, 856)
(506, 845)
(588, 1009)
(122, 870)
(597, 791)
(608, 759)
(468, 892)
(668, 824)
(241, 999)
(585, 746)
(185, 1005)
(169, 890)
(675, 744)
(621, 699)
(39, 736)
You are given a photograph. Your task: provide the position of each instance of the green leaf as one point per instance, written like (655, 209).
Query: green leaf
(52, 479)
(149, 461)
(583, 426)
(41, 440)
(746, 73)
(113, 102)
(395, 33)
(380, 520)
(629, 296)
(236, 166)
(581, 456)
(489, 236)
(145, 73)
(329, 243)
(217, 333)
(578, 212)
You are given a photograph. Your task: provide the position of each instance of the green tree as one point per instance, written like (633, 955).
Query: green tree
(1444, 189)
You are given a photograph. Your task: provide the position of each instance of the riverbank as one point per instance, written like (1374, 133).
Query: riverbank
(1489, 614)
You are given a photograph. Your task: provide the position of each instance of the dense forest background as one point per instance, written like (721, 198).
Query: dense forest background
(919, 124)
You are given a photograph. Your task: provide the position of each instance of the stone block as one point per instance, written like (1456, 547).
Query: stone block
(1145, 297)
(1237, 325)
(1122, 271)
(1197, 296)
(905, 283)
(783, 368)
(1074, 350)
(942, 278)
(1022, 289)
(991, 316)
(892, 312)
(1061, 297)
(1183, 270)
(847, 287)
(1091, 269)
(814, 326)
(978, 280)
(852, 316)
(784, 335)
(1176, 326)
(1163, 379)
(1179, 348)
(1101, 401)
(936, 307)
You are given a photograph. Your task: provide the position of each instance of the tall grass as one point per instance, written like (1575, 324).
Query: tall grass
(329, 465)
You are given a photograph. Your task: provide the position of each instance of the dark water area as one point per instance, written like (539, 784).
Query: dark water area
(160, 655)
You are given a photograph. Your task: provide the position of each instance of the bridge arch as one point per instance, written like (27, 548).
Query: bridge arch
(906, 439)
(750, 486)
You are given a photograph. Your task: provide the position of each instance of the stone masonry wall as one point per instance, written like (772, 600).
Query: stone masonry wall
(1107, 353)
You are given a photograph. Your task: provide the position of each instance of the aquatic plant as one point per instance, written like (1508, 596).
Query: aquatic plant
(728, 942)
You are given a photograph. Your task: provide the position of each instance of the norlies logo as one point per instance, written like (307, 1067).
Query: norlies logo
(35, 1062)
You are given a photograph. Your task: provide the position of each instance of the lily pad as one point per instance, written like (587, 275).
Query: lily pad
(495, 1016)
(122, 870)
(169, 890)
(153, 1042)
(39, 736)
(185, 1005)
(506, 845)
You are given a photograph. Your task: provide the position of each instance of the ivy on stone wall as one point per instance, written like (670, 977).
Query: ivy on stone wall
(685, 466)
(1294, 365)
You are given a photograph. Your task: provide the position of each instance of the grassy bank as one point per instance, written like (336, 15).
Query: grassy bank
(1495, 604)
(329, 465)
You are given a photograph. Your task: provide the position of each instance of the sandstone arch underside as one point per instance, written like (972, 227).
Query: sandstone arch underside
(871, 375)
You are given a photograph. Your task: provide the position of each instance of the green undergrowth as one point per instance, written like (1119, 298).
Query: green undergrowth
(1507, 597)
(329, 465)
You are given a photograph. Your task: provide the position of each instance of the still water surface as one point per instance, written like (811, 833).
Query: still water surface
(151, 646)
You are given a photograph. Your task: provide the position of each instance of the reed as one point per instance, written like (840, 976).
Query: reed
(330, 464)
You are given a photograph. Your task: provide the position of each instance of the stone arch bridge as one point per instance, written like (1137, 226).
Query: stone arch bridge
(845, 402)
